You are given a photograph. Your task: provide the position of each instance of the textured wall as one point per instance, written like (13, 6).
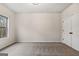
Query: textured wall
(38, 27)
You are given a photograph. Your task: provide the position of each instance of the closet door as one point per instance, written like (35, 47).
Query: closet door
(75, 29)
(67, 31)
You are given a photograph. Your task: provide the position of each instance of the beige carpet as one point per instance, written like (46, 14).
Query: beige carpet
(40, 49)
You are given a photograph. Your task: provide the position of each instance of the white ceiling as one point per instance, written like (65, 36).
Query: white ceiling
(41, 8)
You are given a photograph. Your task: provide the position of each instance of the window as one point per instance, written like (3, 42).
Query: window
(3, 26)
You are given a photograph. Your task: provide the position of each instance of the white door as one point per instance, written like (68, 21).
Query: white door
(75, 29)
(67, 28)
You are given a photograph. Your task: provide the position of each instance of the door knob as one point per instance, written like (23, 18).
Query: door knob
(70, 32)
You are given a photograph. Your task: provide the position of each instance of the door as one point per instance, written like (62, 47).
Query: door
(67, 29)
(75, 29)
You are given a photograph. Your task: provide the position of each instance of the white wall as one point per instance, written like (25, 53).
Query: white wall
(72, 13)
(38, 27)
(11, 39)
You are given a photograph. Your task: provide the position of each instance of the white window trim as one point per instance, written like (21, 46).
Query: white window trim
(7, 36)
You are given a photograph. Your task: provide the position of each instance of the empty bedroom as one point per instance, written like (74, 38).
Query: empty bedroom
(39, 29)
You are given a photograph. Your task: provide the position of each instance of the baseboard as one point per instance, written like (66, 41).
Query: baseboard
(40, 41)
